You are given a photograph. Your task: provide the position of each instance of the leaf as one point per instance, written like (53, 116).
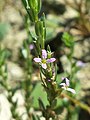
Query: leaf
(68, 40)
(37, 93)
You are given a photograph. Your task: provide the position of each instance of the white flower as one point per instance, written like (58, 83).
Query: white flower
(65, 85)
(43, 61)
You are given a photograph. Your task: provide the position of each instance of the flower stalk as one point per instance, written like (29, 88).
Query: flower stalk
(45, 60)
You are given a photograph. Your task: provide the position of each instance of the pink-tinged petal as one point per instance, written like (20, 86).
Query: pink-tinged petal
(44, 54)
(38, 60)
(44, 65)
(80, 64)
(63, 84)
(49, 80)
(51, 60)
(31, 46)
(67, 82)
(71, 90)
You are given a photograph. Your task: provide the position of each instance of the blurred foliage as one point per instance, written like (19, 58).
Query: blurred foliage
(4, 27)
(68, 40)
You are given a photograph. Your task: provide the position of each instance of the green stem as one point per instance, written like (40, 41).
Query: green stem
(76, 102)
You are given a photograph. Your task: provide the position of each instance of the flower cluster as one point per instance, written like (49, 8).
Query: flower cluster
(44, 60)
(65, 85)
